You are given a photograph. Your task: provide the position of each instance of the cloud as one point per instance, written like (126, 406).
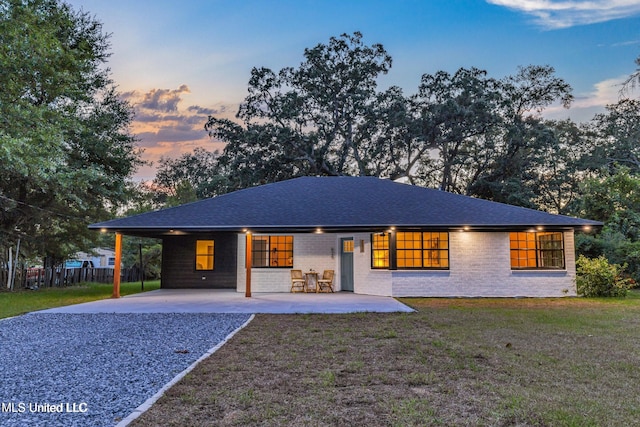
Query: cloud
(555, 14)
(166, 129)
(164, 99)
(626, 43)
(146, 117)
(587, 105)
(604, 93)
(206, 111)
(171, 135)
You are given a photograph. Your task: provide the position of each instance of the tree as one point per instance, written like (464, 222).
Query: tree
(192, 176)
(617, 136)
(305, 121)
(390, 134)
(66, 154)
(633, 81)
(511, 177)
(614, 200)
(463, 132)
(559, 166)
(457, 115)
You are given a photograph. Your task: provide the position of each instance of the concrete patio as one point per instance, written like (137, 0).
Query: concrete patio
(230, 301)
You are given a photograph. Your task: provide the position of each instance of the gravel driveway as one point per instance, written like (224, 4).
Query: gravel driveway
(95, 369)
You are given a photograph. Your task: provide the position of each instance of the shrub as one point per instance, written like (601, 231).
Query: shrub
(598, 278)
(613, 245)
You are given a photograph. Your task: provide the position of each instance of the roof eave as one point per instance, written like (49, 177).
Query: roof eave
(180, 230)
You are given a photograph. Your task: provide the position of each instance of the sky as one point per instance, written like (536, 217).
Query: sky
(177, 62)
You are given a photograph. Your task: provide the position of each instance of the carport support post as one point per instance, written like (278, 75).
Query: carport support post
(247, 289)
(116, 267)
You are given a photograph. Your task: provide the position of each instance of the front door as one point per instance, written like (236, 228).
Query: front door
(346, 264)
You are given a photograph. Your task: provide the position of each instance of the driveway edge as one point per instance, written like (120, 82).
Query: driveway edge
(153, 399)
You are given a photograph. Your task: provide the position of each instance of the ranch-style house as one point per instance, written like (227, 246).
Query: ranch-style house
(379, 237)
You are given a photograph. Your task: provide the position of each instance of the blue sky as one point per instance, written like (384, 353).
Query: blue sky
(178, 61)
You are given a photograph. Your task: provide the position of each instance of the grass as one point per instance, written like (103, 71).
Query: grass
(20, 302)
(486, 362)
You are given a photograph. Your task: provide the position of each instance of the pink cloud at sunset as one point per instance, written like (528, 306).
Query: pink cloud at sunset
(165, 127)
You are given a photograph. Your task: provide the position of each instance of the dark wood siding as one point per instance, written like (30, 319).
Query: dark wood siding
(179, 258)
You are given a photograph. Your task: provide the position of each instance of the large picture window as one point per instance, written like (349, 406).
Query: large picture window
(204, 254)
(410, 250)
(544, 250)
(272, 251)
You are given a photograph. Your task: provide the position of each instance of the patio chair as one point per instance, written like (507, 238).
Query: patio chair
(326, 283)
(298, 284)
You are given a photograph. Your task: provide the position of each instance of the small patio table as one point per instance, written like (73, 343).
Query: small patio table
(311, 278)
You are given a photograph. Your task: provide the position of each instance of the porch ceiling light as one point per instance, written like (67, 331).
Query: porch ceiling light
(318, 230)
(466, 228)
(177, 233)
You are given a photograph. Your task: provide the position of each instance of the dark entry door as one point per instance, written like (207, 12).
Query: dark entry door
(346, 264)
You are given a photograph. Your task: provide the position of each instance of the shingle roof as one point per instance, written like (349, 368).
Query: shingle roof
(338, 203)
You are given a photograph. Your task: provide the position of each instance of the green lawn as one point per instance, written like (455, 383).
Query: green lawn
(455, 362)
(20, 302)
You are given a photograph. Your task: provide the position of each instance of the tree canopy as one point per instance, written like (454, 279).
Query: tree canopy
(464, 132)
(65, 151)
(307, 120)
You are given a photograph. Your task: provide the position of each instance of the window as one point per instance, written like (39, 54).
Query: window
(380, 251)
(204, 254)
(422, 250)
(272, 251)
(410, 250)
(543, 250)
(435, 250)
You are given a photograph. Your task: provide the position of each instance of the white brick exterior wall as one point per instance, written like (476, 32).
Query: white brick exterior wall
(365, 279)
(479, 267)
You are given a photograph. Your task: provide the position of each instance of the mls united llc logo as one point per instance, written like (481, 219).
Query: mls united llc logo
(64, 407)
